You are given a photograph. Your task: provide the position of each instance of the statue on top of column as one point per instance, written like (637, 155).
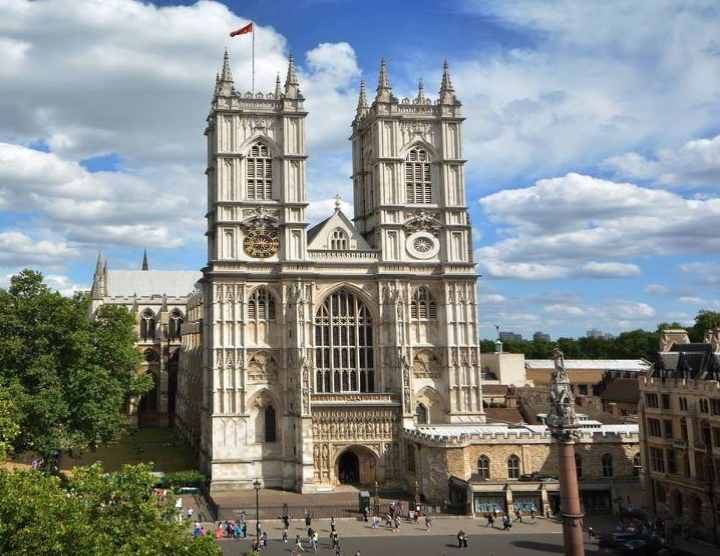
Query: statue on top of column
(562, 400)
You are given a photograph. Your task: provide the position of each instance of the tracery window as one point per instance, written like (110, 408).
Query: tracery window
(259, 172)
(418, 183)
(270, 424)
(422, 306)
(175, 324)
(261, 305)
(344, 345)
(513, 466)
(607, 465)
(147, 325)
(339, 240)
(483, 468)
(421, 414)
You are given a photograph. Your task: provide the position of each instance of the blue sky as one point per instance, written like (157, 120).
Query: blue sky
(592, 137)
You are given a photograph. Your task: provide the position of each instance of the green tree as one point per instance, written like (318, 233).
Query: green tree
(704, 321)
(9, 423)
(70, 375)
(92, 513)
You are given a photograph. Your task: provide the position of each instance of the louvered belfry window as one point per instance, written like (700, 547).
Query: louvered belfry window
(422, 306)
(259, 173)
(261, 305)
(418, 183)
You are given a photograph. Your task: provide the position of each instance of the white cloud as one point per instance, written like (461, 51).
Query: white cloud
(570, 310)
(696, 163)
(594, 79)
(707, 273)
(19, 250)
(491, 299)
(610, 269)
(65, 285)
(656, 289)
(563, 225)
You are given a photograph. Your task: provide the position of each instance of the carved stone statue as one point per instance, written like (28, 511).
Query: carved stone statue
(562, 400)
(712, 337)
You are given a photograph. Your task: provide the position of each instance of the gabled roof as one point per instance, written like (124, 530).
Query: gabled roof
(317, 235)
(694, 361)
(146, 283)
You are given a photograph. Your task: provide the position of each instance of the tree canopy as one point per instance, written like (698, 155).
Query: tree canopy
(65, 375)
(633, 344)
(93, 513)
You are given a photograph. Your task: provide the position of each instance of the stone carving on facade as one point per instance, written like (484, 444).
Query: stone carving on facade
(561, 418)
(306, 386)
(423, 221)
(426, 365)
(417, 130)
(668, 338)
(405, 371)
(260, 218)
(353, 424)
(261, 368)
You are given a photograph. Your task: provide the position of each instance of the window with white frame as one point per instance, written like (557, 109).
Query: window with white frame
(418, 182)
(259, 173)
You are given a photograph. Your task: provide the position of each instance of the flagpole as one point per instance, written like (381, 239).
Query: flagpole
(253, 59)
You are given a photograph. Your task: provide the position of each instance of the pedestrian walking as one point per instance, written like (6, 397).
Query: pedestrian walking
(462, 539)
(314, 541)
(310, 534)
(428, 522)
(490, 520)
(532, 514)
(518, 515)
(332, 524)
(308, 519)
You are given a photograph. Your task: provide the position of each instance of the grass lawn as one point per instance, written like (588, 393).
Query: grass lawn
(161, 446)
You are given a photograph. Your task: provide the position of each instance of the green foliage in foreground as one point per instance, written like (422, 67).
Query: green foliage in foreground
(91, 513)
(633, 344)
(190, 478)
(69, 375)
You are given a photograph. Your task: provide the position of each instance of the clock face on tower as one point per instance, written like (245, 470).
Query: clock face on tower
(262, 243)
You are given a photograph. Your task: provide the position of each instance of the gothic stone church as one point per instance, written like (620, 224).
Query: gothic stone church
(310, 356)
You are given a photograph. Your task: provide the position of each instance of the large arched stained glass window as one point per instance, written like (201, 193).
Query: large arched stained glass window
(343, 345)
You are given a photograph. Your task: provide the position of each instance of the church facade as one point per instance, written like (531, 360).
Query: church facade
(307, 351)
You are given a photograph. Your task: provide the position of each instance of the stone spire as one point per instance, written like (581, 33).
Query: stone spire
(447, 92)
(224, 83)
(145, 265)
(384, 91)
(420, 98)
(278, 89)
(292, 86)
(97, 291)
(362, 104)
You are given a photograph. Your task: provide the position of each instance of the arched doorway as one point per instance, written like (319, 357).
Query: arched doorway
(357, 465)
(348, 468)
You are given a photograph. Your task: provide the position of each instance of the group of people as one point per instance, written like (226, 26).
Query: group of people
(224, 530)
(505, 520)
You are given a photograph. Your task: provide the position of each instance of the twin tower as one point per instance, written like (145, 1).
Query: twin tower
(310, 352)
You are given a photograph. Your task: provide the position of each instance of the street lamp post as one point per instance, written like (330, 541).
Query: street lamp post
(563, 426)
(257, 485)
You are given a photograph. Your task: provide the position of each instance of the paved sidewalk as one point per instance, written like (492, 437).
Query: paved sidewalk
(353, 528)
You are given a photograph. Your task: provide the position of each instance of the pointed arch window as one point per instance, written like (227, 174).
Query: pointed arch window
(147, 325)
(513, 467)
(175, 324)
(423, 306)
(418, 182)
(270, 424)
(421, 414)
(261, 305)
(259, 172)
(483, 468)
(339, 239)
(607, 465)
(344, 359)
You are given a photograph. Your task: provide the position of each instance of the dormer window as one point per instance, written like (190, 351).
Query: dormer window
(339, 240)
(259, 173)
(418, 183)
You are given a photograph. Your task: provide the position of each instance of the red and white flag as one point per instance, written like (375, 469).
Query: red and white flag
(247, 29)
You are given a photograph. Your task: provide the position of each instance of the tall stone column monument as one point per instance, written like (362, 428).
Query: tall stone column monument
(563, 425)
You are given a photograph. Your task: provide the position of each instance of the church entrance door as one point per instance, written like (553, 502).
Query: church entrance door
(349, 468)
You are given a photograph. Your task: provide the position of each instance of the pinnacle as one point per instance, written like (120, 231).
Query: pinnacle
(277, 86)
(226, 74)
(446, 84)
(291, 74)
(421, 92)
(383, 79)
(362, 99)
